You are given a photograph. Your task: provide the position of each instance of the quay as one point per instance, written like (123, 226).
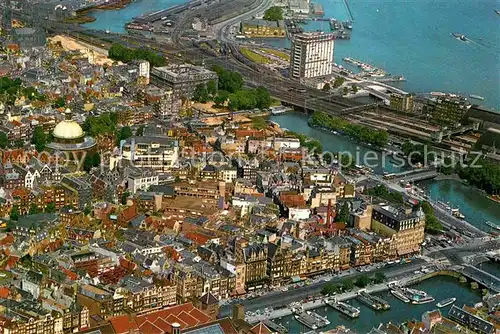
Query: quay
(373, 302)
(274, 326)
(311, 319)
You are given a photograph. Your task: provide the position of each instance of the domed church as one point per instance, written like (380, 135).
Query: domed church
(69, 137)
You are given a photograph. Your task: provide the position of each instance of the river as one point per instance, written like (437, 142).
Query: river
(473, 203)
(439, 287)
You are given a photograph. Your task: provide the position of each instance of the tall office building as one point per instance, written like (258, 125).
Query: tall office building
(311, 55)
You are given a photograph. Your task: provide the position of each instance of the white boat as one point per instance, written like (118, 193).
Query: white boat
(493, 225)
(424, 300)
(477, 97)
(446, 302)
(399, 295)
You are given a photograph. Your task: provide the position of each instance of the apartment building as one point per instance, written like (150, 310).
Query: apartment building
(311, 55)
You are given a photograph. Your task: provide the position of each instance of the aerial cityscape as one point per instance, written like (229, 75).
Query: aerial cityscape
(249, 166)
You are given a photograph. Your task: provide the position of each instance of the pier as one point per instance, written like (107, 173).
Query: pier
(345, 308)
(373, 302)
(311, 319)
(274, 326)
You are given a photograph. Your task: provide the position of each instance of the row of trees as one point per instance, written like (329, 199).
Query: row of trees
(15, 213)
(248, 99)
(483, 174)
(229, 81)
(312, 145)
(432, 224)
(360, 132)
(206, 92)
(383, 192)
(124, 54)
(348, 284)
(10, 89)
(102, 124)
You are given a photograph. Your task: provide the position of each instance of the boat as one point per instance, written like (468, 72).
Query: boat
(416, 292)
(446, 302)
(497, 11)
(459, 36)
(424, 300)
(493, 225)
(323, 321)
(399, 295)
(345, 308)
(477, 97)
(495, 198)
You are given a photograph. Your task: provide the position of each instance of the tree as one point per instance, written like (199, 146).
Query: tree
(39, 138)
(87, 210)
(345, 91)
(362, 281)
(125, 195)
(4, 140)
(50, 208)
(339, 81)
(124, 133)
(221, 98)
(259, 123)
(354, 89)
(200, 93)
(212, 88)
(273, 14)
(343, 214)
(140, 131)
(326, 87)
(14, 213)
(33, 209)
(347, 284)
(379, 278)
(59, 102)
(263, 97)
(229, 80)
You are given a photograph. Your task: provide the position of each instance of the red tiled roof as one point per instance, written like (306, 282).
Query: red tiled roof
(149, 328)
(4, 292)
(123, 324)
(188, 319)
(260, 328)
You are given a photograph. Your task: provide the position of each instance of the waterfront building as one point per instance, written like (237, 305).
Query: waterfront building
(311, 55)
(263, 28)
(402, 102)
(254, 257)
(182, 79)
(447, 109)
(402, 224)
(471, 321)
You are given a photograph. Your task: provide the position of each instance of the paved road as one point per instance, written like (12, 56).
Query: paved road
(277, 298)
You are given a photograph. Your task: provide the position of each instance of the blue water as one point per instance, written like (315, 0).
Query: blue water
(115, 20)
(412, 38)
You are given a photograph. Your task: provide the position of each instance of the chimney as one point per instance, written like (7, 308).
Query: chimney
(176, 328)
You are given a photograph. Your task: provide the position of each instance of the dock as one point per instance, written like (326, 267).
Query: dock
(345, 308)
(311, 319)
(340, 29)
(275, 327)
(373, 302)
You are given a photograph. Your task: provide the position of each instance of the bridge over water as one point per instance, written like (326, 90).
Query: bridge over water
(482, 277)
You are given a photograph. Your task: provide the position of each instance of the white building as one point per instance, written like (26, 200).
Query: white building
(142, 181)
(311, 55)
(144, 70)
(280, 143)
(157, 153)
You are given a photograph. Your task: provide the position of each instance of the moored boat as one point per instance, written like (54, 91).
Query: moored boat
(446, 302)
(424, 300)
(399, 295)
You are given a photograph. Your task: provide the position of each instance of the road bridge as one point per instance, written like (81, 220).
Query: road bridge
(482, 277)
(416, 175)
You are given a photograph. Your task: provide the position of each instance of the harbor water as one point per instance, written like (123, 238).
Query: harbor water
(477, 208)
(411, 38)
(115, 20)
(439, 287)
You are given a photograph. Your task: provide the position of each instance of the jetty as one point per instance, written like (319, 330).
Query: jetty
(311, 319)
(277, 328)
(345, 308)
(373, 302)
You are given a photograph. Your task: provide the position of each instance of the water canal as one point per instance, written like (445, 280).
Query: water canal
(473, 203)
(440, 288)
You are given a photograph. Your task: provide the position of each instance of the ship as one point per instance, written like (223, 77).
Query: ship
(446, 302)
(459, 36)
(399, 295)
(345, 308)
(425, 300)
(416, 292)
(493, 225)
(477, 97)
(497, 11)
